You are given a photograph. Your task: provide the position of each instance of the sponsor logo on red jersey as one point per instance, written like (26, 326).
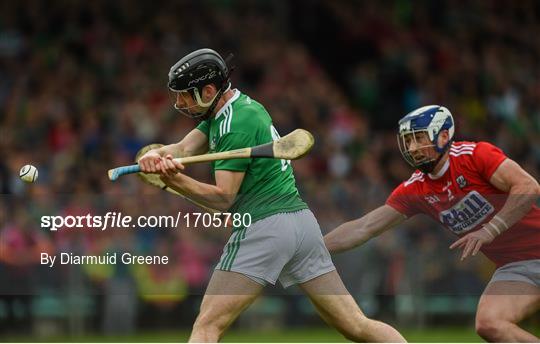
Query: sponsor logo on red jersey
(466, 214)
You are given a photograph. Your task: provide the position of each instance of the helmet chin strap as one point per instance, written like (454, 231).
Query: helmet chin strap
(213, 103)
(210, 105)
(201, 103)
(203, 115)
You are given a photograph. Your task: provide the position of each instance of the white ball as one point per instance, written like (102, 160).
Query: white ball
(28, 173)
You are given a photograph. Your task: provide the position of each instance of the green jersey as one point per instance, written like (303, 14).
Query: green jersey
(268, 187)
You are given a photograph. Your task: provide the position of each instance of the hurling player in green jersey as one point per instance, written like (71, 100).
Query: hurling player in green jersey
(283, 241)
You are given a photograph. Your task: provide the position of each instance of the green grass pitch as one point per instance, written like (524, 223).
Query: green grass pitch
(456, 334)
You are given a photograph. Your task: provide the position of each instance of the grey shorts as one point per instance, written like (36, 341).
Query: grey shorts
(527, 271)
(284, 246)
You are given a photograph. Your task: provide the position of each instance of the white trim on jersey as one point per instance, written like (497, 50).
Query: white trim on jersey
(441, 172)
(462, 149)
(225, 125)
(229, 119)
(417, 176)
(457, 149)
(222, 124)
(462, 153)
(462, 144)
(229, 102)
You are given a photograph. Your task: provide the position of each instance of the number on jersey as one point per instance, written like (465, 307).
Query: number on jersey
(275, 136)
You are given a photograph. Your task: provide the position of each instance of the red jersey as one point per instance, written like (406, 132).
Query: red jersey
(462, 198)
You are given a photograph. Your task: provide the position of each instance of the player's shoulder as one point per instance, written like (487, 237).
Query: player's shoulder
(244, 104)
(410, 187)
(471, 149)
(415, 179)
(247, 114)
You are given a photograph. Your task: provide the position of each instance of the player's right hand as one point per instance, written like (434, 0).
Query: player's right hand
(150, 162)
(169, 167)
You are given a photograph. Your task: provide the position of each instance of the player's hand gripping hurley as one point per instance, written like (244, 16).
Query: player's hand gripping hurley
(290, 147)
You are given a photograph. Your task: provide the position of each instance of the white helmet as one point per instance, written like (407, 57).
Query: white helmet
(431, 119)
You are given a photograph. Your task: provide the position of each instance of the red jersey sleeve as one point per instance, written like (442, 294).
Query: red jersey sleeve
(404, 200)
(487, 158)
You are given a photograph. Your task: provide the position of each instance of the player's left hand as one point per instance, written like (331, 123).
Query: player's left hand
(472, 242)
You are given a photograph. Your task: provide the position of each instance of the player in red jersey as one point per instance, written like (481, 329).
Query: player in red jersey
(482, 196)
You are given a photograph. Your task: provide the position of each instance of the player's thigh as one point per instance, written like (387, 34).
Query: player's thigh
(227, 295)
(508, 300)
(311, 258)
(261, 250)
(332, 300)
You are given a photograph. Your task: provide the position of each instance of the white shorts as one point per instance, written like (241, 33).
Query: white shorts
(527, 271)
(284, 246)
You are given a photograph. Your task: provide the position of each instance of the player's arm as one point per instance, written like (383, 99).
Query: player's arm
(229, 174)
(194, 143)
(220, 196)
(523, 191)
(355, 233)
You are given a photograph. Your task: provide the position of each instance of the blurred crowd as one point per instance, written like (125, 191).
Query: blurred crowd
(83, 87)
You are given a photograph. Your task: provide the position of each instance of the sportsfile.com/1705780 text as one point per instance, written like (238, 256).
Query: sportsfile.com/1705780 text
(114, 220)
